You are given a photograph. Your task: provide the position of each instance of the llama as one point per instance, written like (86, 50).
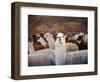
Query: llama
(50, 40)
(60, 49)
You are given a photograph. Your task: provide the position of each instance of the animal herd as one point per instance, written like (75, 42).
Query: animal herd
(58, 49)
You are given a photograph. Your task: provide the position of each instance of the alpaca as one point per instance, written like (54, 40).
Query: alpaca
(85, 38)
(50, 40)
(83, 45)
(71, 47)
(71, 43)
(78, 35)
(41, 40)
(82, 40)
(60, 49)
(81, 34)
(71, 38)
(77, 57)
(30, 47)
(41, 58)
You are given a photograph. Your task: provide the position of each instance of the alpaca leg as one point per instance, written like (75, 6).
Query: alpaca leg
(59, 60)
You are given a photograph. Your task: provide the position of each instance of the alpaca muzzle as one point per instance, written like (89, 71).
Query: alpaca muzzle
(60, 41)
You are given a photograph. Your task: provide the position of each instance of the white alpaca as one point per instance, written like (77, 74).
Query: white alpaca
(50, 40)
(60, 49)
(30, 48)
(42, 41)
(41, 58)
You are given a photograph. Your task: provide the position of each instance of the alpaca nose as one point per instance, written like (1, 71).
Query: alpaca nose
(59, 39)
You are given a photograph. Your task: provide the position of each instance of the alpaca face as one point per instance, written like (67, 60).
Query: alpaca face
(41, 40)
(50, 40)
(76, 36)
(60, 38)
(48, 36)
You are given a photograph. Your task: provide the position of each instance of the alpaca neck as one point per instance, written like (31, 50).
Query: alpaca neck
(51, 43)
(60, 53)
